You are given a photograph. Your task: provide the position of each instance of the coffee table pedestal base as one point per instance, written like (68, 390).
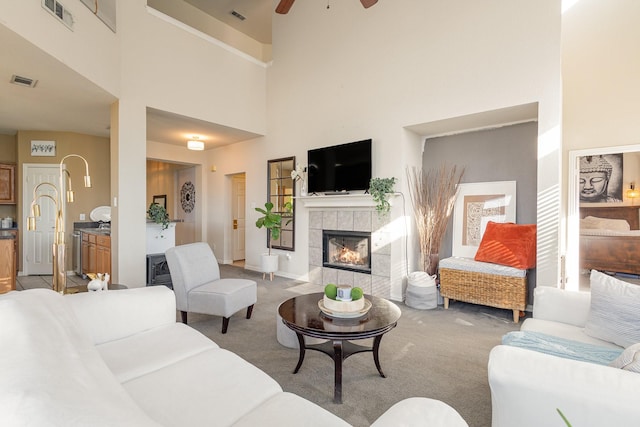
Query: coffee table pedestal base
(339, 350)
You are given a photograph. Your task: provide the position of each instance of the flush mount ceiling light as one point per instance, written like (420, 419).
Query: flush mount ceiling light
(195, 144)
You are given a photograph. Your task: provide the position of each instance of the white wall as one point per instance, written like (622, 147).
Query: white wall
(167, 68)
(193, 17)
(601, 73)
(347, 73)
(601, 88)
(91, 48)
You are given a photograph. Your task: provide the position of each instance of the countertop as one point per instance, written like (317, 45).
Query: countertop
(97, 231)
(5, 234)
(91, 227)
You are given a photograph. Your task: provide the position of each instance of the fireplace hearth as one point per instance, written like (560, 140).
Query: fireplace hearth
(158, 271)
(347, 250)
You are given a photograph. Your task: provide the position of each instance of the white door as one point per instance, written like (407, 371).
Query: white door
(37, 251)
(238, 215)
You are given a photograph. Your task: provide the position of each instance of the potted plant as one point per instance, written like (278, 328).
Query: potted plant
(380, 188)
(158, 214)
(272, 221)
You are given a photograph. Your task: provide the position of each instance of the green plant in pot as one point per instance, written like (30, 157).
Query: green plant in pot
(158, 214)
(380, 188)
(270, 220)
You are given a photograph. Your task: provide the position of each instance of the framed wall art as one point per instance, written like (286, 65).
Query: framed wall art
(43, 148)
(476, 204)
(601, 178)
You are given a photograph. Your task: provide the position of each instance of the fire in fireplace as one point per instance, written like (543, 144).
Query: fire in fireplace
(347, 250)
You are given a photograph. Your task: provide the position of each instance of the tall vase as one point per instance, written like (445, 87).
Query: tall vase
(432, 268)
(303, 187)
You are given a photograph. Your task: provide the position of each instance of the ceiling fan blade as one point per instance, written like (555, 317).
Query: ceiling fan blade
(368, 3)
(284, 6)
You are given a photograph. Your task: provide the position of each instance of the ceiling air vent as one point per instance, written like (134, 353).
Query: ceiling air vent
(238, 15)
(58, 10)
(23, 81)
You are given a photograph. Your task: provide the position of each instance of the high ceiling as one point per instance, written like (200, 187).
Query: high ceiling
(63, 100)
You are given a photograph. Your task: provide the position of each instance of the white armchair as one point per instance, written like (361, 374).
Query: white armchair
(199, 289)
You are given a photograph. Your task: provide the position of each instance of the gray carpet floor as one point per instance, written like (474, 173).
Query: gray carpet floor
(441, 354)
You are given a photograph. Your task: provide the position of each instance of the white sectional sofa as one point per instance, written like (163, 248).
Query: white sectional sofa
(119, 358)
(527, 387)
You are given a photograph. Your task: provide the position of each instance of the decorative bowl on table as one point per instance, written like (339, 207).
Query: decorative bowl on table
(344, 309)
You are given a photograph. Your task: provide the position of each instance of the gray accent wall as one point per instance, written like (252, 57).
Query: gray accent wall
(508, 153)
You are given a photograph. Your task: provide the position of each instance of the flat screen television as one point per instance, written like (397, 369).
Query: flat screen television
(344, 167)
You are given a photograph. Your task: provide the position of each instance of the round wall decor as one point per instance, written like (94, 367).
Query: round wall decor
(188, 196)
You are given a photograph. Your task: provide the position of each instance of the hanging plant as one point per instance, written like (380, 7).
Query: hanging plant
(158, 214)
(380, 188)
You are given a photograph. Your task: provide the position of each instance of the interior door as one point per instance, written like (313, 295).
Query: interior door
(238, 216)
(38, 244)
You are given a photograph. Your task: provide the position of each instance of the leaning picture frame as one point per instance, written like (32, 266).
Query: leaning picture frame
(161, 200)
(476, 204)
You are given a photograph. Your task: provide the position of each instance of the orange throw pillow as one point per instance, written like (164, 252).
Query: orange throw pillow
(508, 244)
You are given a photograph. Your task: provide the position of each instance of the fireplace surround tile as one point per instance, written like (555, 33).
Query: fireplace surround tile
(315, 220)
(362, 221)
(329, 275)
(380, 243)
(315, 275)
(363, 281)
(315, 256)
(379, 222)
(380, 265)
(345, 277)
(315, 238)
(381, 286)
(345, 221)
(329, 220)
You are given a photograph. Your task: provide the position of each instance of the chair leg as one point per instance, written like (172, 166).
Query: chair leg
(225, 324)
(249, 311)
(184, 317)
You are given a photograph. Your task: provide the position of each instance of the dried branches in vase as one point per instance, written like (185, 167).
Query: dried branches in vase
(433, 195)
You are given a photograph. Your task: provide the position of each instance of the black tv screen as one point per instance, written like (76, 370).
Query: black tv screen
(344, 167)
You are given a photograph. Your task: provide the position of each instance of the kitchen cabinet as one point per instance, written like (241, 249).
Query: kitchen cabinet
(7, 184)
(103, 254)
(14, 233)
(7, 262)
(96, 253)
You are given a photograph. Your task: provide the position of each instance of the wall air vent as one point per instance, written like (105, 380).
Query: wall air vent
(58, 10)
(23, 81)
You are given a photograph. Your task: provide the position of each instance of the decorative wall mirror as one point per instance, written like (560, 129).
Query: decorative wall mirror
(281, 192)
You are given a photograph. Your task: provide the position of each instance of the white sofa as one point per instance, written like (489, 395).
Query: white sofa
(527, 387)
(119, 358)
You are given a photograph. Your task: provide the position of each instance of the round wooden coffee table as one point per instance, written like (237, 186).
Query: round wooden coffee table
(303, 316)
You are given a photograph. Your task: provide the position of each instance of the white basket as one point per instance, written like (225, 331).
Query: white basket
(421, 278)
(422, 292)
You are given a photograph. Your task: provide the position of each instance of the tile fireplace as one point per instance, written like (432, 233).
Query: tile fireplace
(349, 243)
(347, 250)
